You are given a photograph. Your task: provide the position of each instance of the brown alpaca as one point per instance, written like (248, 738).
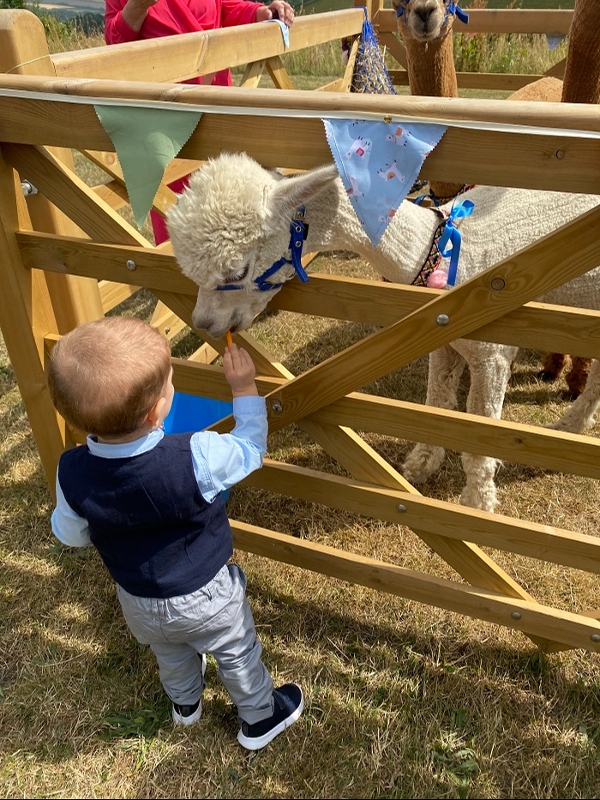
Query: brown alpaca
(581, 84)
(426, 29)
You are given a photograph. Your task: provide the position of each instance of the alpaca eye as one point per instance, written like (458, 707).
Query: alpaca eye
(235, 277)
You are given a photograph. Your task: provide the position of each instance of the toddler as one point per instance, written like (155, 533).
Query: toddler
(152, 505)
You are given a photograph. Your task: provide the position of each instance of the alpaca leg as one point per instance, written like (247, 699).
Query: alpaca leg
(553, 366)
(577, 376)
(445, 368)
(490, 372)
(580, 414)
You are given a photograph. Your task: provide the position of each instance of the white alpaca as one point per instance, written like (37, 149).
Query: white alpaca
(233, 222)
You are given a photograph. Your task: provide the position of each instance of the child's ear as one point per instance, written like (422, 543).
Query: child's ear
(154, 415)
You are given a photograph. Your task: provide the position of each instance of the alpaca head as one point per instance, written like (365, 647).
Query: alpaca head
(229, 226)
(423, 20)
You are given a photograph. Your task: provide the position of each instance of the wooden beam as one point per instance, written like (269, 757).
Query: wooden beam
(178, 58)
(25, 316)
(569, 116)
(538, 326)
(558, 70)
(111, 294)
(346, 83)
(278, 73)
(573, 630)
(491, 157)
(511, 441)
(396, 48)
(556, 22)
(156, 271)
(72, 196)
(543, 542)
(335, 86)
(252, 74)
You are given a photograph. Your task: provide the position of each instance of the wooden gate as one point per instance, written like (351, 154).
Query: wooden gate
(68, 256)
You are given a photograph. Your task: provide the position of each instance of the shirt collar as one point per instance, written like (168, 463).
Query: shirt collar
(125, 449)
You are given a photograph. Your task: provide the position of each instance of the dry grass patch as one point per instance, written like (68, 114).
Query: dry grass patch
(403, 700)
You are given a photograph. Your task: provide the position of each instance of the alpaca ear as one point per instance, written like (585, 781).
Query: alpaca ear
(290, 193)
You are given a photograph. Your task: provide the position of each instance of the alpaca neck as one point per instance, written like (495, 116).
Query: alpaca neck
(582, 72)
(431, 72)
(430, 65)
(402, 250)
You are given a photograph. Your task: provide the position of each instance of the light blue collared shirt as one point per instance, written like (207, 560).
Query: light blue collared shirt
(220, 460)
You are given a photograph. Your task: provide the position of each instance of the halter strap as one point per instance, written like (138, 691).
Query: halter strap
(298, 234)
(435, 254)
(451, 9)
(441, 201)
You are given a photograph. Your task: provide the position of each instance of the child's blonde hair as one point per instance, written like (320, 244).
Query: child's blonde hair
(105, 376)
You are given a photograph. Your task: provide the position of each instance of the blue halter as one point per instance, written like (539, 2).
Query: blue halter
(298, 234)
(451, 8)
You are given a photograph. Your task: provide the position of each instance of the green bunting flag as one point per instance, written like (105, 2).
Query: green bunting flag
(145, 140)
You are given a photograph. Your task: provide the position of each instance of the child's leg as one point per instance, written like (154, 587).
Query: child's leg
(264, 711)
(180, 670)
(238, 652)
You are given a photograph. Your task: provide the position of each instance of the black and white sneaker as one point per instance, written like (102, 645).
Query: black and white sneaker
(188, 715)
(288, 703)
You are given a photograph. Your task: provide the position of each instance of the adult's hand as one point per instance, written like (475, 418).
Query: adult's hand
(135, 11)
(278, 9)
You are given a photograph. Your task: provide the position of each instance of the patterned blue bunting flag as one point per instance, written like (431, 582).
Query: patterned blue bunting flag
(378, 163)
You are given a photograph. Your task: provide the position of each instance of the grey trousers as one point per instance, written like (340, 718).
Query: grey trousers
(215, 619)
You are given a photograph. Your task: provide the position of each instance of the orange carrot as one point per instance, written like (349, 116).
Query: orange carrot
(228, 338)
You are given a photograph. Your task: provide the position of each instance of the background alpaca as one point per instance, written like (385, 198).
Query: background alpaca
(581, 84)
(426, 27)
(233, 222)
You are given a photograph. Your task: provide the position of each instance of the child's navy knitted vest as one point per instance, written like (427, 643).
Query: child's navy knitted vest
(155, 532)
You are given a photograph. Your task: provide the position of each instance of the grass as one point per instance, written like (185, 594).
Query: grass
(403, 700)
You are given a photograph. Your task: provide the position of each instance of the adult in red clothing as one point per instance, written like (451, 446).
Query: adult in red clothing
(129, 20)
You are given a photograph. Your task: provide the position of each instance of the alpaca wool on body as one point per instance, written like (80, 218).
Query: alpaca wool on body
(504, 221)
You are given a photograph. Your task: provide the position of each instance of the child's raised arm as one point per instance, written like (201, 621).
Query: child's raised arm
(239, 371)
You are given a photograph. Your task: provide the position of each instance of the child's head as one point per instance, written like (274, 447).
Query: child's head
(105, 376)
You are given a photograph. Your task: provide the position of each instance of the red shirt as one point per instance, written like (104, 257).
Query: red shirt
(169, 17)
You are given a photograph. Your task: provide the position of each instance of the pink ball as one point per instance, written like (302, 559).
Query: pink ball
(438, 279)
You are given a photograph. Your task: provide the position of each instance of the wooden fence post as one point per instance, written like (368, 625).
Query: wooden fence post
(24, 51)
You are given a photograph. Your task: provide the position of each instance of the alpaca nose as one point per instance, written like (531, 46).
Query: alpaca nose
(425, 13)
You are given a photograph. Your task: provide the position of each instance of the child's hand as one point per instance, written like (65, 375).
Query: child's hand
(239, 371)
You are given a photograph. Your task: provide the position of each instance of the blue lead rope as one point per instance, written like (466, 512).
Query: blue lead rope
(449, 244)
